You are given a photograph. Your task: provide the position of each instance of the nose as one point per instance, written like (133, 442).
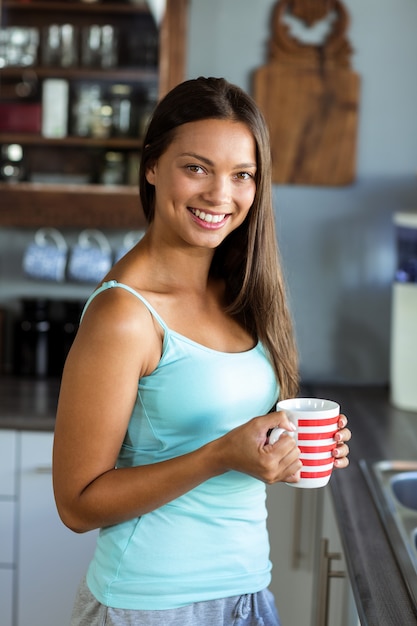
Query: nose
(218, 191)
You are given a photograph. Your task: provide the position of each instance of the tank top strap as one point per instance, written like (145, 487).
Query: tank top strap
(113, 283)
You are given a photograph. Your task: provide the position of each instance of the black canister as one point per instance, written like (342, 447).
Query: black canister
(32, 339)
(68, 327)
(43, 335)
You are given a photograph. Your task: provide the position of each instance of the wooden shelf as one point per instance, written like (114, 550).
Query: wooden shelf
(71, 206)
(31, 288)
(76, 7)
(110, 143)
(120, 74)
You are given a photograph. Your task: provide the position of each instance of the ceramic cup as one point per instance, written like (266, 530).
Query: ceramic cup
(91, 258)
(46, 257)
(130, 239)
(316, 422)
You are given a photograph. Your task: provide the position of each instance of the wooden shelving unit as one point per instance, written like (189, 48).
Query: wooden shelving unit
(31, 205)
(35, 205)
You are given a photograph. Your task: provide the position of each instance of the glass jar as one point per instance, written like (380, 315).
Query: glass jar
(101, 120)
(113, 172)
(121, 104)
(11, 167)
(81, 111)
(146, 109)
(89, 117)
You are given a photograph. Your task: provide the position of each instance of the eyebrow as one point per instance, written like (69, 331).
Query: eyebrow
(211, 163)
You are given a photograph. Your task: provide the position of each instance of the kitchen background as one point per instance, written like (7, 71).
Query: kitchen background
(337, 243)
(338, 249)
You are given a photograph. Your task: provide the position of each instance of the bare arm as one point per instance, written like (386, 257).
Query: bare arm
(116, 345)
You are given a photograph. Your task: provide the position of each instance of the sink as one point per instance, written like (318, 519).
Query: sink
(404, 487)
(393, 485)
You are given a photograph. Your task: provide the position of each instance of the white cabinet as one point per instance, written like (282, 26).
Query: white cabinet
(52, 559)
(8, 508)
(6, 597)
(8, 439)
(41, 561)
(299, 520)
(335, 604)
(292, 571)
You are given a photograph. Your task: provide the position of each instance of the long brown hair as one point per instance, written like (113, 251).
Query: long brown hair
(248, 259)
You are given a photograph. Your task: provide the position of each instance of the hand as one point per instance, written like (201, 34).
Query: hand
(246, 449)
(342, 449)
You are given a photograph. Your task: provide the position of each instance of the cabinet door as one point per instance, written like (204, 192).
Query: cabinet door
(7, 513)
(52, 559)
(8, 440)
(293, 530)
(341, 610)
(298, 521)
(6, 597)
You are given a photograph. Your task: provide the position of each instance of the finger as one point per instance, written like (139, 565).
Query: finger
(294, 477)
(284, 422)
(292, 462)
(341, 463)
(342, 423)
(341, 451)
(343, 435)
(276, 434)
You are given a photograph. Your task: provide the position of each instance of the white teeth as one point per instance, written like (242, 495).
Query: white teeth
(208, 217)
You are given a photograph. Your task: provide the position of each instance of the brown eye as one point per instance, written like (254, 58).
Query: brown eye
(197, 169)
(245, 176)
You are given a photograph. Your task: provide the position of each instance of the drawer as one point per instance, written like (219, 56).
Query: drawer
(6, 597)
(7, 512)
(8, 443)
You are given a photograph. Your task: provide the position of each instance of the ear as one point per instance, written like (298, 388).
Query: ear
(151, 173)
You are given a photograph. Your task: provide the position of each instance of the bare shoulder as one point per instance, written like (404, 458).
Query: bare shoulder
(120, 324)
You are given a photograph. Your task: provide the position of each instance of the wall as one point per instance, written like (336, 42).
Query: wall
(337, 244)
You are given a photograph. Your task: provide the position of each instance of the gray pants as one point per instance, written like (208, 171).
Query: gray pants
(256, 609)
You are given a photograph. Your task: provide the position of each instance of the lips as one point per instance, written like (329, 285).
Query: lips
(209, 218)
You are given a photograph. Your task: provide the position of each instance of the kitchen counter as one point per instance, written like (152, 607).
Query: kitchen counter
(28, 404)
(379, 431)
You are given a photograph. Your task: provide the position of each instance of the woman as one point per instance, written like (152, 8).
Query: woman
(169, 390)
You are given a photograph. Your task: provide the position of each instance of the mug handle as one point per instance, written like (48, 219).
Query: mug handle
(41, 238)
(132, 237)
(276, 433)
(90, 235)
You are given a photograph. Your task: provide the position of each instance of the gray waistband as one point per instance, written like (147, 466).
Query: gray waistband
(257, 609)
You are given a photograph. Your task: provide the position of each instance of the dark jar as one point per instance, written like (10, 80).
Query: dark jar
(66, 329)
(33, 349)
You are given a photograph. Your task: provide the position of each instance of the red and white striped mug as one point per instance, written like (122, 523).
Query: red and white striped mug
(316, 422)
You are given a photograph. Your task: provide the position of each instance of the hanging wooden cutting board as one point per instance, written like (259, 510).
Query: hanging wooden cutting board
(310, 98)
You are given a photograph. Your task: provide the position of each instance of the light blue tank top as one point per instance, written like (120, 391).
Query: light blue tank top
(211, 542)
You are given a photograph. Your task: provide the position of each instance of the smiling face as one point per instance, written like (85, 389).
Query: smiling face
(204, 182)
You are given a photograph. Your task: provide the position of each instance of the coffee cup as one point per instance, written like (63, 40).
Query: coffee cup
(130, 239)
(46, 257)
(316, 421)
(91, 258)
